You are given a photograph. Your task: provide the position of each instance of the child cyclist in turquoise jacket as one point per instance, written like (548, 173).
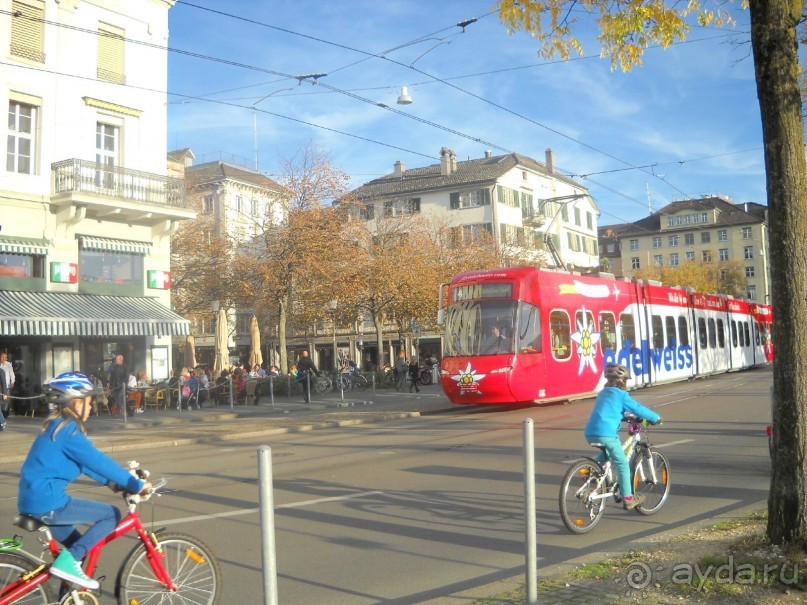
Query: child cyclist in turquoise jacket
(58, 456)
(612, 403)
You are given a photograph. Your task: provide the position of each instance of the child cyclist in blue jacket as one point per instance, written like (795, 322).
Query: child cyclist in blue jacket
(58, 455)
(603, 426)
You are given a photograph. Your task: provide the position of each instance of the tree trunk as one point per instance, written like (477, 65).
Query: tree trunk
(281, 337)
(379, 337)
(775, 45)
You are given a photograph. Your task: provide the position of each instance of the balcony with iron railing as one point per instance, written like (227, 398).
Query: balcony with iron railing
(114, 191)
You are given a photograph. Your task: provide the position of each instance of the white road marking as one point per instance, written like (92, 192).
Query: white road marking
(662, 445)
(250, 511)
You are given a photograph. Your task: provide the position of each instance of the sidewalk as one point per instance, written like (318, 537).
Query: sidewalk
(172, 427)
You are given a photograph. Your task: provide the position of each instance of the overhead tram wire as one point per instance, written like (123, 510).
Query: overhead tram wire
(192, 97)
(443, 81)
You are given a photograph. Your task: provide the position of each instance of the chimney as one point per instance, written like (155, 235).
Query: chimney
(399, 169)
(445, 161)
(488, 153)
(453, 160)
(550, 161)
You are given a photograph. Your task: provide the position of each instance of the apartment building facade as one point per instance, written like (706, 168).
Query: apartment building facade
(545, 218)
(86, 204)
(709, 229)
(242, 204)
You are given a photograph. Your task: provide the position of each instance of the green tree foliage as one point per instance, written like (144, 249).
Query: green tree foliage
(626, 28)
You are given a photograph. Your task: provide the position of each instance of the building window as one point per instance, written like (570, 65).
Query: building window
(20, 146)
(107, 267)
(507, 196)
(207, 204)
(671, 221)
(674, 259)
(589, 220)
(747, 233)
(706, 256)
(28, 29)
(238, 204)
(634, 262)
(657, 242)
(634, 244)
(472, 233)
(401, 207)
(610, 248)
(748, 251)
(704, 217)
(469, 199)
(723, 254)
(564, 213)
(751, 292)
(254, 208)
(689, 239)
(22, 265)
(690, 255)
(107, 139)
(722, 235)
(672, 240)
(687, 219)
(658, 260)
(110, 54)
(367, 212)
(749, 271)
(706, 237)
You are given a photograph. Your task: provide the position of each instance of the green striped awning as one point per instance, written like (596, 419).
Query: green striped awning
(23, 245)
(113, 245)
(69, 314)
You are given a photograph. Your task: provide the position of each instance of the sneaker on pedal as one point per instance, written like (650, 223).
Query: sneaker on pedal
(636, 500)
(67, 568)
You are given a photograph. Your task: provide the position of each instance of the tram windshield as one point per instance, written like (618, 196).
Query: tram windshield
(492, 327)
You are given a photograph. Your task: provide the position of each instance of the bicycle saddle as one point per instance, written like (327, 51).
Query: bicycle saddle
(27, 523)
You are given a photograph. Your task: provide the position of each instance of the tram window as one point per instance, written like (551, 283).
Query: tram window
(702, 332)
(757, 336)
(607, 331)
(658, 332)
(747, 335)
(712, 334)
(670, 325)
(529, 329)
(721, 334)
(733, 333)
(683, 332)
(627, 330)
(560, 328)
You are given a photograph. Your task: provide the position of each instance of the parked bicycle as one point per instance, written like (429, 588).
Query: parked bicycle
(587, 485)
(164, 567)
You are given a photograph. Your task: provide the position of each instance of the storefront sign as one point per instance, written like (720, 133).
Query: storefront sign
(64, 273)
(159, 280)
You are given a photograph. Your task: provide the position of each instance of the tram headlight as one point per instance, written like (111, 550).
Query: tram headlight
(501, 370)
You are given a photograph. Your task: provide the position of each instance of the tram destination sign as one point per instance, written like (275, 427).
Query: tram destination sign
(476, 291)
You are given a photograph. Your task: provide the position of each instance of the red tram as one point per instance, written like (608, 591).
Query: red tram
(526, 335)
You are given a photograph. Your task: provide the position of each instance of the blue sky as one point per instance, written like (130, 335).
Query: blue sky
(689, 118)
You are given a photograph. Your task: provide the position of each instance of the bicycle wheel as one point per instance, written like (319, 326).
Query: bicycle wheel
(425, 377)
(360, 382)
(12, 565)
(343, 383)
(651, 477)
(581, 502)
(191, 565)
(321, 384)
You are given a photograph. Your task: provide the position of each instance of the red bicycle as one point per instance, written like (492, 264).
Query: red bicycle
(164, 567)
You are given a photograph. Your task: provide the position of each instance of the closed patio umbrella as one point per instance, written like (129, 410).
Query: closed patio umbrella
(222, 361)
(190, 352)
(255, 355)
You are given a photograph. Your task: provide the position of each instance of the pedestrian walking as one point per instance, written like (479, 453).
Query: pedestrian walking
(414, 374)
(401, 370)
(118, 379)
(305, 367)
(6, 366)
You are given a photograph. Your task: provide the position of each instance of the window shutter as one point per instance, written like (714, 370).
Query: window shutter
(500, 194)
(110, 54)
(414, 204)
(455, 200)
(27, 30)
(486, 197)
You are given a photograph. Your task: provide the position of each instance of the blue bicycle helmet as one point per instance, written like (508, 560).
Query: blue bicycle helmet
(66, 387)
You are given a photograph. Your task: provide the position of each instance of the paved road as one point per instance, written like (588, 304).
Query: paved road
(427, 506)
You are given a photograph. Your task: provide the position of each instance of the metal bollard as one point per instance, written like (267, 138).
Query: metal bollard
(272, 390)
(267, 508)
(531, 548)
(230, 382)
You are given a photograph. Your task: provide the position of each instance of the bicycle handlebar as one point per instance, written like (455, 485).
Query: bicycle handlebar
(154, 490)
